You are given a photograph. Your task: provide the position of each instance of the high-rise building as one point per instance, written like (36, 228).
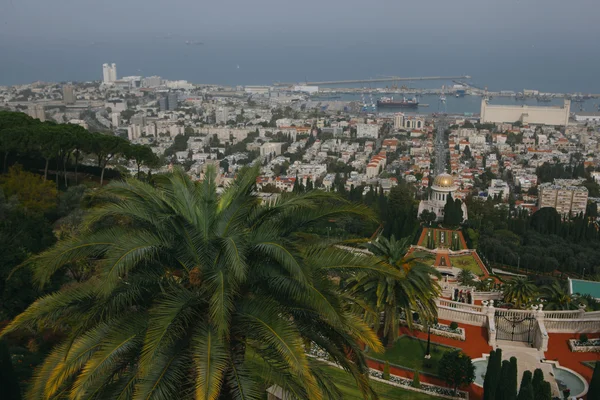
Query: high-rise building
(116, 119)
(151, 81)
(105, 73)
(113, 72)
(222, 115)
(109, 73)
(163, 103)
(68, 94)
(565, 198)
(37, 111)
(172, 100)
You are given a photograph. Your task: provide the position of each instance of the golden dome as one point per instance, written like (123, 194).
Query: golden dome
(444, 181)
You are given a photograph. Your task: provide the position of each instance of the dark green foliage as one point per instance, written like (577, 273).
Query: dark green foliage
(60, 145)
(453, 214)
(583, 338)
(594, 390)
(537, 383)
(543, 242)
(511, 384)
(453, 325)
(546, 392)
(456, 369)
(492, 375)
(504, 378)
(9, 384)
(526, 388)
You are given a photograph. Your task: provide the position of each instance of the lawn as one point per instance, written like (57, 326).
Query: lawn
(438, 235)
(410, 352)
(467, 262)
(347, 386)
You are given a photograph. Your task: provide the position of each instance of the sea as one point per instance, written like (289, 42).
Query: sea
(552, 66)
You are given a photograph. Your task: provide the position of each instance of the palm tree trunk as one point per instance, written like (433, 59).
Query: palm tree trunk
(76, 166)
(46, 169)
(102, 174)
(5, 161)
(65, 171)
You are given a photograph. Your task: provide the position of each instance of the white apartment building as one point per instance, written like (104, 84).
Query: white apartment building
(270, 148)
(398, 121)
(367, 131)
(134, 131)
(565, 199)
(115, 119)
(222, 115)
(37, 111)
(499, 188)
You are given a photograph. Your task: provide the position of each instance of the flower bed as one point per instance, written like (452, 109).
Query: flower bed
(591, 346)
(425, 387)
(439, 330)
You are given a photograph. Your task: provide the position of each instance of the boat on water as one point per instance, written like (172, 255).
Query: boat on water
(544, 99)
(391, 103)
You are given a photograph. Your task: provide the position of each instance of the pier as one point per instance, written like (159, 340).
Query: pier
(374, 80)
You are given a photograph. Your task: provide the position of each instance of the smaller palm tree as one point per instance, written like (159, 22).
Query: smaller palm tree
(466, 277)
(383, 298)
(557, 298)
(519, 292)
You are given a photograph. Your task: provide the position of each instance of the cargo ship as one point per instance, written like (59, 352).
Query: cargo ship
(389, 102)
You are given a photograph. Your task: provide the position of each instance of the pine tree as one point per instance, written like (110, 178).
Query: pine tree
(526, 389)
(9, 384)
(594, 391)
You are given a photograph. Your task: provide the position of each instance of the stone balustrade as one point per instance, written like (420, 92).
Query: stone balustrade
(561, 325)
(458, 306)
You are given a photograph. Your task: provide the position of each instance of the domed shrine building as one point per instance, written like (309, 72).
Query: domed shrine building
(443, 186)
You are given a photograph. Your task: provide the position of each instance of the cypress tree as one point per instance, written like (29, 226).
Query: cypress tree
(536, 382)
(546, 391)
(594, 391)
(526, 389)
(504, 379)
(9, 384)
(492, 375)
(512, 383)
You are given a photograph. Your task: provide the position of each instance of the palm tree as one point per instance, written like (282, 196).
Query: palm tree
(466, 277)
(519, 292)
(200, 296)
(557, 298)
(384, 298)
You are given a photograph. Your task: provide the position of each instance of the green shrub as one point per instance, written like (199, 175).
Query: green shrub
(416, 383)
(453, 325)
(386, 371)
(583, 338)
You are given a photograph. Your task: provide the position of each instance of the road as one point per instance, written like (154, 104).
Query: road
(441, 146)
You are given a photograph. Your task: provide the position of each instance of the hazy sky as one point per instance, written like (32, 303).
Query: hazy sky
(550, 44)
(303, 19)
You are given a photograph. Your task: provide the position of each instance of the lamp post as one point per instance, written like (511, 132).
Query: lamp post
(428, 351)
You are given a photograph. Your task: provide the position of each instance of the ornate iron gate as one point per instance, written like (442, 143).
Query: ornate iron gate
(515, 327)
